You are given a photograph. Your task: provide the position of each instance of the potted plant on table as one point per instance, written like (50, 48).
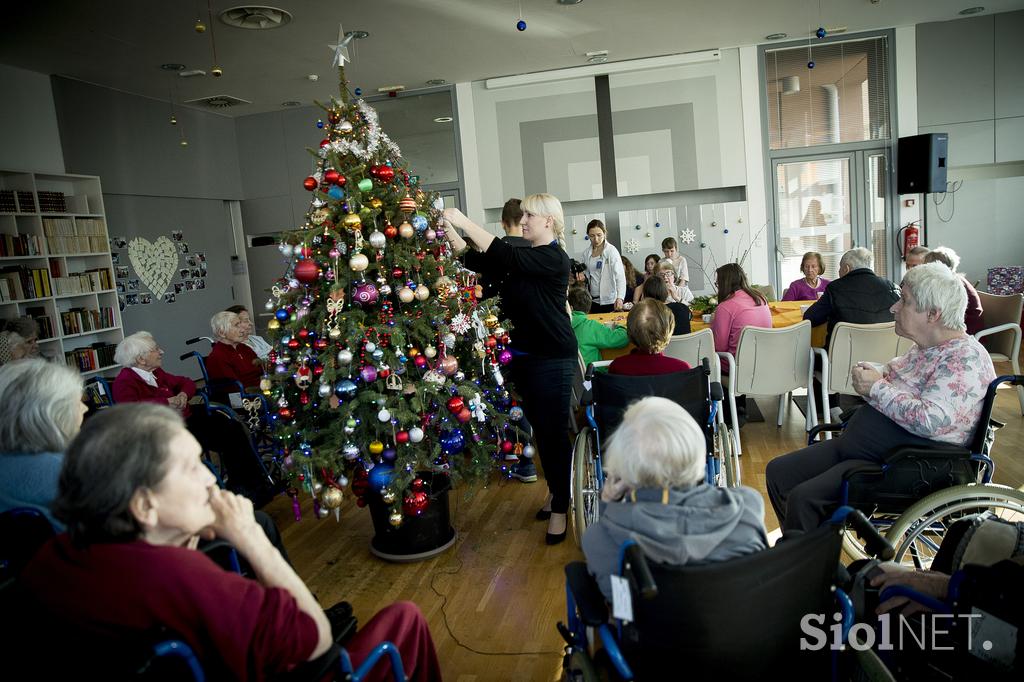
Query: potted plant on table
(704, 306)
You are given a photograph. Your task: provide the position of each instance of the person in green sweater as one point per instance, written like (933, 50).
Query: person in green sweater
(591, 335)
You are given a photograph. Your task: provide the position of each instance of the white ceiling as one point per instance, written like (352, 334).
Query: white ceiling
(121, 43)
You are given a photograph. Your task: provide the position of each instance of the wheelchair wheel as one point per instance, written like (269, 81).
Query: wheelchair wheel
(584, 490)
(917, 534)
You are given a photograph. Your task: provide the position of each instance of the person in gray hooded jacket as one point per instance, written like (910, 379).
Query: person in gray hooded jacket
(655, 494)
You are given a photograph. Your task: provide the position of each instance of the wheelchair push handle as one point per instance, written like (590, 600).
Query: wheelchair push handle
(645, 584)
(874, 543)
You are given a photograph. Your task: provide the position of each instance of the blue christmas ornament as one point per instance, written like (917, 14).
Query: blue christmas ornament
(452, 441)
(380, 476)
(319, 123)
(345, 389)
(520, 25)
(657, 224)
(516, 413)
(358, 91)
(335, 192)
(821, 32)
(281, 314)
(419, 222)
(810, 64)
(389, 454)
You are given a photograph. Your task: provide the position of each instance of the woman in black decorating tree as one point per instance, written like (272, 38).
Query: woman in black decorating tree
(543, 344)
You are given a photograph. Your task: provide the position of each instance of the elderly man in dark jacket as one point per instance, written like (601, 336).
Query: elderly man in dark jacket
(858, 296)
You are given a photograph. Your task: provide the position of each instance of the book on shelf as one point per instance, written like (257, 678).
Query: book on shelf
(38, 313)
(27, 282)
(20, 245)
(96, 279)
(26, 201)
(51, 202)
(90, 358)
(7, 204)
(70, 236)
(84, 320)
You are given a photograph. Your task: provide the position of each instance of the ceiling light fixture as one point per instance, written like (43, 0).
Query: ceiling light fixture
(357, 35)
(172, 67)
(291, 103)
(776, 36)
(443, 119)
(255, 17)
(568, 2)
(437, 81)
(971, 10)
(597, 59)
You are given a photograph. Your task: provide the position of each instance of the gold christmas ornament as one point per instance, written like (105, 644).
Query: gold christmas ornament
(406, 295)
(406, 231)
(352, 221)
(388, 495)
(216, 72)
(200, 26)
(395, 518)
(273, 324)
(376, 203)
(422, 292)
(319, 216)
(345, 127)
(407, 204)
(376, 447)
(491, 321)
(330, 498)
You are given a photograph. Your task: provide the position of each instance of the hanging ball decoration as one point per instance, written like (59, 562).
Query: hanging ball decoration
(395, 518)
(407, 204)
(389, 455)
(385, 173)
(358, 92)
(330, 498)
(419, 222)
(344, 356)
(491, 321)
(281, 314)
(505, 356)
(368, 373)
(365, 185)
(350, 426)
(406, 295)
(352, 221)
(345, 127)
(420, 362)
(455, 404)
(350, 450)
(516, 413)
(449, 365)
(390, 231)
(310, 183)
(383, 416)
(376, 447)
(323, 512)
(430, 352)
(464, 415)
(370, 346)
(406, 231)
(273, 325)
(452, 441)
(388, 496)
(449, 340)
(319, 123)
(821, 32)
(422, 293)
(331, 176)
(358, 262)
(366, 293)
(415, 504)
(529, 452)
(307, 271)
(810, 64)
(379, 476)
(324, 390)
(216, 72)
(200, 27)
(402, 437)
(430, 234)
(416, 434)
(345, 389)
(336, 193)
(520, 25)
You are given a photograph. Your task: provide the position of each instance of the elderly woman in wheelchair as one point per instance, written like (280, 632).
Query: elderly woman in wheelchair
(929, 399)
(655, 494)
(143, 378)
(136, 498)
(231, 359)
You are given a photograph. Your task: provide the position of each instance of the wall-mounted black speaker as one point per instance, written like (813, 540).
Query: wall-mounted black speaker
(921, 163)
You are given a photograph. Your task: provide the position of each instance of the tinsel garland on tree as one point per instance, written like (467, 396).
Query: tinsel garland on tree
(386, 364)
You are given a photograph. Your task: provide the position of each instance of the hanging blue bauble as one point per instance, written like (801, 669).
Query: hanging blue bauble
(389, 454)
(657, 224)
(380, 476)
(821, 32)
(335, 192)
(358, 91)
(726, 230)
(810, 64)
(419, 222)
(520, 25)
(319, 123)
(703, 245)
(452, 441)
(516, 413)
(345, 389)
(281, 314)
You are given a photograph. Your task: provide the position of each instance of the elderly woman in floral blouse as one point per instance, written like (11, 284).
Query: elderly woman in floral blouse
(932, 394)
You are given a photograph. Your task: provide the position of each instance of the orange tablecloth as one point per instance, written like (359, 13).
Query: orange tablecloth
(784, 314)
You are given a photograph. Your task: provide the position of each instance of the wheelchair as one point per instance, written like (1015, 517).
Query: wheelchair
(23, 530)
(757, 624)
(919, 492)
(607, 399)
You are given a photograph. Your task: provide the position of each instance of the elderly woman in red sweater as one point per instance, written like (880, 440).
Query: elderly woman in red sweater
(144, 380)
(230, 358)
(649, 326)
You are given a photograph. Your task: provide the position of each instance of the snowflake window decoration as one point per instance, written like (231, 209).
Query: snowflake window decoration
(688, 236)
(632, 246)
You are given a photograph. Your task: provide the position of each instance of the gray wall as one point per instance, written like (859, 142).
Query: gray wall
(970, 85)
(153, 186)
(29, 137)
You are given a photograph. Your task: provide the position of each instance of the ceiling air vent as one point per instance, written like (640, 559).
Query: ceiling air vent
(255, 17)
(218, 101)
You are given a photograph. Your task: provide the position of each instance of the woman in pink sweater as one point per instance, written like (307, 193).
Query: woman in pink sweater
(741, 306)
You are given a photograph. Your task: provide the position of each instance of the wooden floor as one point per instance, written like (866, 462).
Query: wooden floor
(494, 598)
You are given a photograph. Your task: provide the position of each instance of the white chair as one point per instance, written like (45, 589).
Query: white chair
(850, 344)
(692, 348)
(772, 362)
(1002, 317)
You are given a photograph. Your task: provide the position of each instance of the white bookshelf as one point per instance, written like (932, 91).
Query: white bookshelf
(69, 241)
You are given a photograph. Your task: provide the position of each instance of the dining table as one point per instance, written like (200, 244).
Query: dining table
(784, 314)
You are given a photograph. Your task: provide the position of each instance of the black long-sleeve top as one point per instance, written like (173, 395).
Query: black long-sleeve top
(533, 295)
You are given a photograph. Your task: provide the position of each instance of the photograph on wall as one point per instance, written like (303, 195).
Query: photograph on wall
(145, 299)
(196, 272)
(120, 303)
(118, 242)
(201, 256)
(188, 285)
(202, 268)
(176, 235)
(121, 272)
(168, 297)
(200, 283)
(119, 285)
(183, 247)
(133, 285)
(179, 287)
(115, 258)
(191, 260)
(183, 273)
(132, 299)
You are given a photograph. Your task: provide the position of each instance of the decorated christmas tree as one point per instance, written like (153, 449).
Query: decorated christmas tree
(386, 364)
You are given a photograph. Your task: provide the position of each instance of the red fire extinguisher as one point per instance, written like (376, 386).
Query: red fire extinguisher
(910, 239)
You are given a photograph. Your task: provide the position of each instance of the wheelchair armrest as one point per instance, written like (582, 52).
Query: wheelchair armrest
(875, 544)
(584, 590)
(939, 451)
(636, 563)
(813, 433)
(717, 393)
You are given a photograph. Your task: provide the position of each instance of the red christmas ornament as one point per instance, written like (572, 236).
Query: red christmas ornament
(285, 413)
(309, 183)
(303, 333)
(385, 173)
(320, 344)
(464, 415)
(305, 251)
(506, 446)
(304, 398)
(384, 373)
(491, 342)
(293, 343)
(390, 231)
(456, 404)
(332, 176)
(324, 142)
(415, 504)
(333, 116)
(417, 485)
(319, 369)
(420, 362)
(307, 271)
(402, 437)
(397, 273)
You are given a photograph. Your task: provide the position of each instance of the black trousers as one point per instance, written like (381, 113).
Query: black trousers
(545, 385)
(597, 308)
(804, 486)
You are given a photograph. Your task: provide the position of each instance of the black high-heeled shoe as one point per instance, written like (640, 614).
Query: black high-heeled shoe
(543, 515)
(555, 538)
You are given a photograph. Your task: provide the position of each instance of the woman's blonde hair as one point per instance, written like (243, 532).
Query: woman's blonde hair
(649, 325)
(549, 206)
(657, 445)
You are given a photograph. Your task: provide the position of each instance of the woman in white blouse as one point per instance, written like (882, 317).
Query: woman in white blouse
(606, 278)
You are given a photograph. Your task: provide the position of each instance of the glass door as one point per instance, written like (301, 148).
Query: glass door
(830, 204)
